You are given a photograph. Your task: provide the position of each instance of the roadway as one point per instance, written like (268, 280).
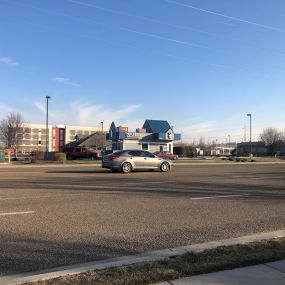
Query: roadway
(59, 215)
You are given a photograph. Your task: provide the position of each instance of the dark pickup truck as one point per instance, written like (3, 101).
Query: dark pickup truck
(82, 152)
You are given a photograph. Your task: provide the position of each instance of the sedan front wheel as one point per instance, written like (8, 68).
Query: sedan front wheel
(164, 167)
(126, 167)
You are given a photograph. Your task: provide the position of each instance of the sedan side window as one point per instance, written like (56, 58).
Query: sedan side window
(135, 153)
(147, 154)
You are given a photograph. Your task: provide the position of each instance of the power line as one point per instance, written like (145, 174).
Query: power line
(88, 21)
(59, 14)
(150, 35)
(226, 16)
(139, 49)
(181, 27)
(139, 17)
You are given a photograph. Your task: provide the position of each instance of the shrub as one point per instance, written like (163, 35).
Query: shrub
(60, 156)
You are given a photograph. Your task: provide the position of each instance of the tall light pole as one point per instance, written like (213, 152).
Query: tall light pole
(249, 115)
(229, 140)
(102, 136)
(47, 130)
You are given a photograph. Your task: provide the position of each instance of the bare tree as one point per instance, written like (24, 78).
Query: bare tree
(271, 136)
(9, 129)
(213, 143)
(283, 136)
(202, 143)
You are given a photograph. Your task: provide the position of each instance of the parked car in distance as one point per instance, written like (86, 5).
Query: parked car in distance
(166, 155)
(81, 152)
(106, 152)
(129, 160)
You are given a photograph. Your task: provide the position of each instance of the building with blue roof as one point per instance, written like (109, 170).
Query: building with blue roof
(155, 135)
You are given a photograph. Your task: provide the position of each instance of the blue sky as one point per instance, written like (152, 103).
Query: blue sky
(200, 64)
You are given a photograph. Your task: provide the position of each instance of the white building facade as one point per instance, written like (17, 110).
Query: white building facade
(155, 135)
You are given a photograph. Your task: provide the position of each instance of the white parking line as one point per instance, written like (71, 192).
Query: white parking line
(17, 213)
(216, 197)
(258, 177)
(32, 197)
(148, 182)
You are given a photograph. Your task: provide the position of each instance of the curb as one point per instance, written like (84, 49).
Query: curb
(6, 165)
(229, 163)
(48, 165)
(131, 259)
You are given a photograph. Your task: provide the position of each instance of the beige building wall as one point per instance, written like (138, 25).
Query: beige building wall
(32, 137)
(72, 131)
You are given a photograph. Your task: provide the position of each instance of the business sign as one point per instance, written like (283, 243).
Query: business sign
(134, 135)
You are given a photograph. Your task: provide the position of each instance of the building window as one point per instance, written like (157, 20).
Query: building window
(145, 146)
(40, 142)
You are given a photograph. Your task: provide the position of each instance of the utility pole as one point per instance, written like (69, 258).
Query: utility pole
(249, 115)
(102, 136)
(47, 130)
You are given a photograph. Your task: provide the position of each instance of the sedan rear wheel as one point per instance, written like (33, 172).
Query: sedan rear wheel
(164, 167)
(126, 167)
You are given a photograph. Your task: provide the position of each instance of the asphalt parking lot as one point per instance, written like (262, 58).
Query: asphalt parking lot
(59, 215)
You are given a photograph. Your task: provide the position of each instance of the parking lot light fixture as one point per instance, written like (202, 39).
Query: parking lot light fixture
(47, 130)
(102, 123)
(250, 142)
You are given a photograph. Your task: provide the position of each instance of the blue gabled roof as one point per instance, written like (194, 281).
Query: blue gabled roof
(156, 126)
(113, 127)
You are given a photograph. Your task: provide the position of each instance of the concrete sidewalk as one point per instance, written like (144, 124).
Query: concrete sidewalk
(263, 274)
(51, 273)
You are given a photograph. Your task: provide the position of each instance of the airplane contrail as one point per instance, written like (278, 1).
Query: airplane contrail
(226, 16)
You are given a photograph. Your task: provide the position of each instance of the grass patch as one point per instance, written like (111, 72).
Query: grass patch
(184, 265)
(269, 159)
(84, 161)
(226, 160)
(201, 161)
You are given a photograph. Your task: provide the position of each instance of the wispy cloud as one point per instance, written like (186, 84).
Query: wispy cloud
(227, 24)
(65, 80)
(214, 131)
(8, 61)
(4, 109)
(193, 130)
(87, 113)
(209, 131)
(56, 115)
(60, 79)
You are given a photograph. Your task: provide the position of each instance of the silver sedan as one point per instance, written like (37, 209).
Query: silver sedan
(129, 160)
